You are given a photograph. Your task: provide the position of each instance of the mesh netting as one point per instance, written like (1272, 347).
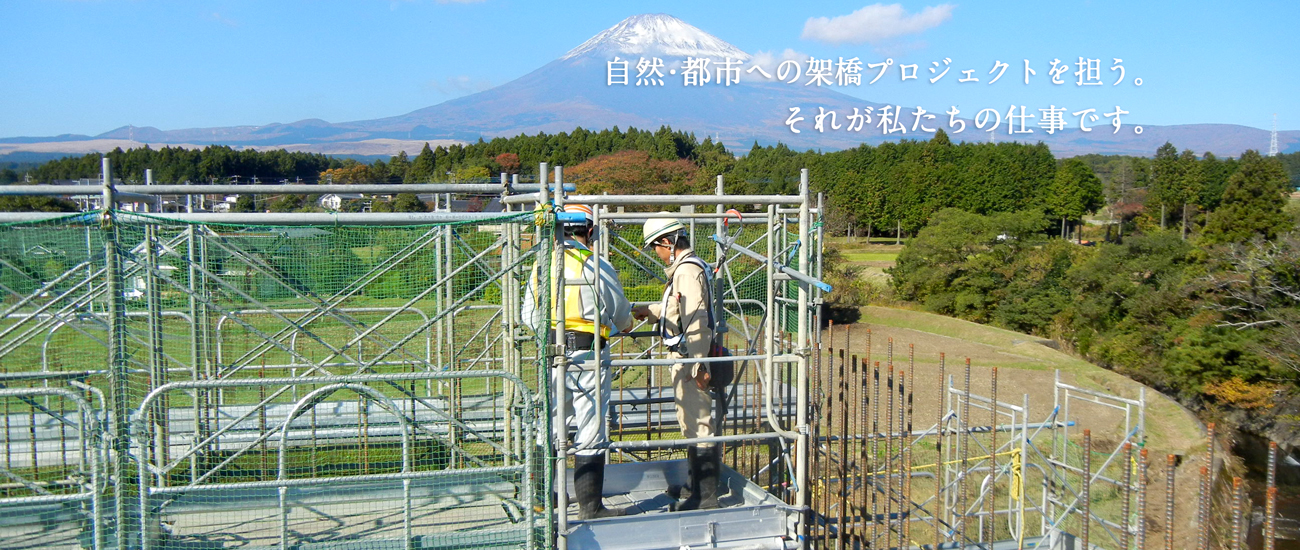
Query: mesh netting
(201, 385)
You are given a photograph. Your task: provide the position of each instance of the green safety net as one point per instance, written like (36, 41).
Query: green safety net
(201, 385)
(185, 385)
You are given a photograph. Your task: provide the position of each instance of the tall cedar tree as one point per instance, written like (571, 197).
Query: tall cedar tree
(1252, 203)
(1165, 181)
(1074, 192)
(423, 169)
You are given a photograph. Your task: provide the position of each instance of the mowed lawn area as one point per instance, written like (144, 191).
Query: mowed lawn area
(871, 257)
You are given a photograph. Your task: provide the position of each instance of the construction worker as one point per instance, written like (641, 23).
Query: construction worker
(586, 318)
(686, 328)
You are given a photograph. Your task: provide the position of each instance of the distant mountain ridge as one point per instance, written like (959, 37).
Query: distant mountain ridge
(572, 91)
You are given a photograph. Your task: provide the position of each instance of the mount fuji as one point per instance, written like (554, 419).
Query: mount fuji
(574, 91)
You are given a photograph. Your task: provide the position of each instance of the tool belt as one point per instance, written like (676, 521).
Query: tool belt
(575, 340)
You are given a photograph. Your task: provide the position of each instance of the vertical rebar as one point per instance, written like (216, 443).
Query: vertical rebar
(889, 451)
(875, 453)
(1171, 472)
(867, 349)
(1270, 518)
(854, 392)
(1023, 455)
(827, 463)
(1086, 491)
(904, 453)
(905, 507)
(1270, 498)
(939, 497)
(1202, 526)
(821, 429)
(847, 503)
(911, 404)
(907, 459)
(989, 526)
(843, 472)
(866, 460)
(1236, 514)
(1207, 483)
(1142, 500)
(1126, 529)
(865, 488)
(964, 442)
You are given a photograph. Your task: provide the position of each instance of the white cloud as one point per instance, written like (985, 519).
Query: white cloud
(459, 85)
(874, 24)
(214, 16)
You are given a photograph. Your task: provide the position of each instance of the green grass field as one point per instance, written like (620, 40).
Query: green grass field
(870, 257)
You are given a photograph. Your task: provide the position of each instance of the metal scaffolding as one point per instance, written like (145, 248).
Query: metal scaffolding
(284, 380)
(279, 379)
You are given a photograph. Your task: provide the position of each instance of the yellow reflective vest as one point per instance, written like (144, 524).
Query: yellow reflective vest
(580, 294)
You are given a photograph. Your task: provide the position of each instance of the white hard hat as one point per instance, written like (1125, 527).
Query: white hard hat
(582, 209)
(655, 228)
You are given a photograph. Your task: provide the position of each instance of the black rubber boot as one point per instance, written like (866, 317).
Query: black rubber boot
(588, 483)
(705, 465)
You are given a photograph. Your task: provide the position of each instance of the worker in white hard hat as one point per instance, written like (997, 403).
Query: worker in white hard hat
(586, 319)
(686, 327)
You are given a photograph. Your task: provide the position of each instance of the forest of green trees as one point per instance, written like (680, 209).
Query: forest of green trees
(1201, 298)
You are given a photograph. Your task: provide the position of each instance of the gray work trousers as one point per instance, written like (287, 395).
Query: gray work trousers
(589, 415)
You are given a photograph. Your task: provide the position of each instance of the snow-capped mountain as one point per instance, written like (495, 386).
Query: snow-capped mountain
(575, 90)
(656, 34)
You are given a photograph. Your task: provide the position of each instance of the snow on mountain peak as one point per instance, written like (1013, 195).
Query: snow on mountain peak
(657, 33)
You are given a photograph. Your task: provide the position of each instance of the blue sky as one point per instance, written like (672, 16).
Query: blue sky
(88, 66)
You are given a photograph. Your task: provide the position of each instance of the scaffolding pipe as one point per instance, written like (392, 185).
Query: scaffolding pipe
(802, 350)
(561, 359)
(666, 200)
(280, 189)
(795, 274)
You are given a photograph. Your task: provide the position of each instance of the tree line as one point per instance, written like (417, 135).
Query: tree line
(892, 187)
(481, 160)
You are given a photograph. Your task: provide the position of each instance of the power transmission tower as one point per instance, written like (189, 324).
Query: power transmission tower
(1272, 142)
